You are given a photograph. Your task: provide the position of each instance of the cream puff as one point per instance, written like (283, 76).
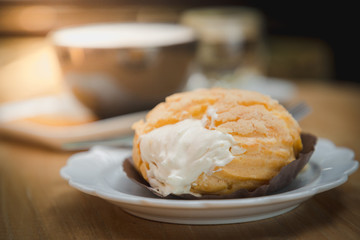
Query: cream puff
(214, 141)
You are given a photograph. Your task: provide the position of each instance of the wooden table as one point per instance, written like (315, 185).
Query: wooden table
(36, 203)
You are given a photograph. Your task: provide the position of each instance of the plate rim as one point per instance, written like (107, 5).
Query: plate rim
(122, 198)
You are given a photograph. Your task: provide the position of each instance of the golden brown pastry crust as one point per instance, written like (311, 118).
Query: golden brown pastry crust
(258, 124)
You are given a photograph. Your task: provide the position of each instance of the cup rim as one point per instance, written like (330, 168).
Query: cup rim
(88, 35)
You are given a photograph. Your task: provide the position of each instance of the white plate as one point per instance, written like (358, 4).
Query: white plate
(110, 131)
(99, 172)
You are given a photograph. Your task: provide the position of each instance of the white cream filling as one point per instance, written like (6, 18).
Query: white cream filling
(212, 115)
(178, 154)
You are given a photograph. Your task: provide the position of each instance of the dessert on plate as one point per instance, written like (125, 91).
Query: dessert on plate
(214, 142)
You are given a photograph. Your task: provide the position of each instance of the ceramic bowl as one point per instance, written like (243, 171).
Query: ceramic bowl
(117, 68)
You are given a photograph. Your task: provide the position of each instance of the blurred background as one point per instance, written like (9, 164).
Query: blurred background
(303, 40)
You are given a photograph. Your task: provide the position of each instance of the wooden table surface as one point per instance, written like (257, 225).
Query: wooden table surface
(36, 203)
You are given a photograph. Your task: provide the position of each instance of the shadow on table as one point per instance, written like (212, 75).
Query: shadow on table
(88, 217)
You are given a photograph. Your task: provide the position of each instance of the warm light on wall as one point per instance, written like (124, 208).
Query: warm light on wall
(37, 18)
(32, 74)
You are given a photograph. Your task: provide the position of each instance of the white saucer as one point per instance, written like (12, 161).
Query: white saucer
(280, 89)
(99, 172)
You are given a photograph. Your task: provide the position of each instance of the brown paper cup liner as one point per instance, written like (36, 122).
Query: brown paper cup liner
(286, 175)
